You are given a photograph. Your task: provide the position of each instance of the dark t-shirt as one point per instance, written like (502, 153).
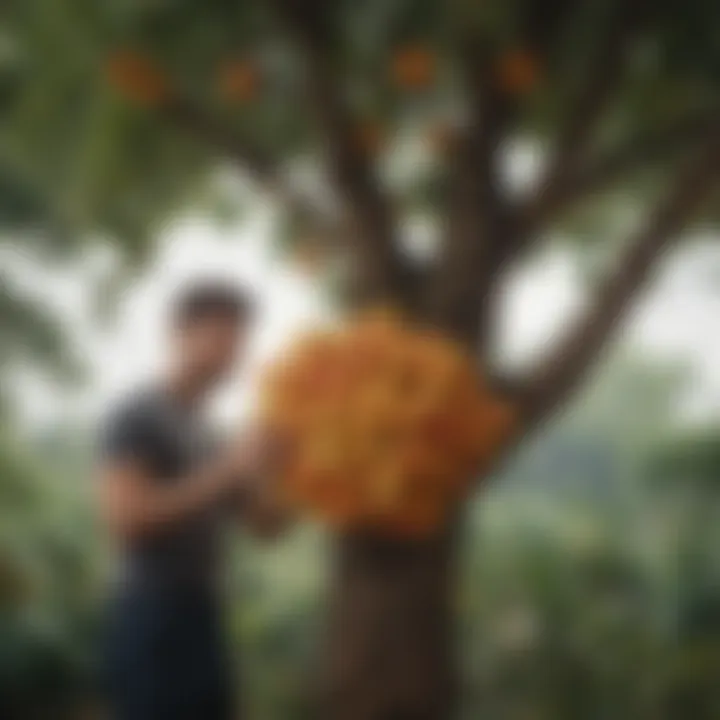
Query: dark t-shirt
(170, 441)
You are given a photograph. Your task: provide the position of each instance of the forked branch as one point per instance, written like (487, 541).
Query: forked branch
(560, 373)
(481, 225)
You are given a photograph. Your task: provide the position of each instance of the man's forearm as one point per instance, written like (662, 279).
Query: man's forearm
(139, 508)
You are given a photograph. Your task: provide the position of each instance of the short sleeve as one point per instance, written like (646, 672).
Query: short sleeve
(126, 434)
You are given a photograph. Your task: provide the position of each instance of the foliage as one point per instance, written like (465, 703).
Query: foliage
(121, 171)
(578, 585)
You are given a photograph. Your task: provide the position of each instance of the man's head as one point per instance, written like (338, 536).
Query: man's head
(210, 324)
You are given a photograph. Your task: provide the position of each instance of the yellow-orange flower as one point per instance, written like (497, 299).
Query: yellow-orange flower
(388, 424)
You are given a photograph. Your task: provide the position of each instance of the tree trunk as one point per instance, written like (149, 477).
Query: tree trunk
(390, 653)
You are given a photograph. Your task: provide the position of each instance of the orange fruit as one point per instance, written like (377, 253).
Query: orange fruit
(137, 77)
(238, 81)
(414, 67)
(517, 72)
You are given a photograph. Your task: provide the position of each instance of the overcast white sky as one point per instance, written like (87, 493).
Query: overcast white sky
(678, 320)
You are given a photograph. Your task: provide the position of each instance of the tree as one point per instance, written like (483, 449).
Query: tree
(623, 93)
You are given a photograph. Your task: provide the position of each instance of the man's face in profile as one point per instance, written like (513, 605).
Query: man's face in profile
(210, 346)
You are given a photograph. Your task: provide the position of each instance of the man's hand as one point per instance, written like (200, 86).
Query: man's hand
(261, 455)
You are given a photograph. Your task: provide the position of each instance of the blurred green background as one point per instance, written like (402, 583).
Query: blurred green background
(589, 588)
(590, 563)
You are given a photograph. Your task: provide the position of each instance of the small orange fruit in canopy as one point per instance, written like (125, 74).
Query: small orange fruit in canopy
(137, 77)
(388, 425)
(517, 72)
(238, 81)
(414, 67)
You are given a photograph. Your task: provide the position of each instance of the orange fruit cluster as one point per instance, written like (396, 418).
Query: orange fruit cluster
(386, 425)
(138, 78)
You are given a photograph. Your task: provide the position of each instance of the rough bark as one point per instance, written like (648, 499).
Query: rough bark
(460, 296)
(390, 652)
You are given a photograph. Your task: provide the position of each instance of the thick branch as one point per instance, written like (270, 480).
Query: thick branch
(543, 22)
(366, 207)
(477, 204)
(259, 167)
(559, 374)
(474, 214)
(479, 213)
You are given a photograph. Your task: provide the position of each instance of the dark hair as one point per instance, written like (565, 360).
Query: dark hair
(210, 299)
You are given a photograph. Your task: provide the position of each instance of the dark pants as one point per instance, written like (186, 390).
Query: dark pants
(166, 659)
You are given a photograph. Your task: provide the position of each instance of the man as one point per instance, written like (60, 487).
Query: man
(165, 491)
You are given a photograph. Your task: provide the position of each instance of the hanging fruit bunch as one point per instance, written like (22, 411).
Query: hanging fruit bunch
(387, 425)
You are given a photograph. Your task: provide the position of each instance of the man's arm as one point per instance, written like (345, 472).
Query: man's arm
(133, 499)
(134, 504)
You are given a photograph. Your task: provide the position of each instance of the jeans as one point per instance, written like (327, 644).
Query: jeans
(166, 658)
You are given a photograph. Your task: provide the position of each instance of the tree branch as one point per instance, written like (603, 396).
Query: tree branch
(543, 22)
(479, 217)
(260, 167)
(476, 208)
(559, 374)
(600, 81)
(193, 121)
(632, 156)
(367, 210)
